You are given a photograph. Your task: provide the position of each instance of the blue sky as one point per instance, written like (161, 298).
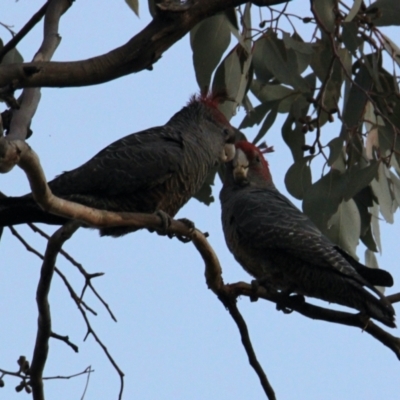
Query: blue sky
(173, 339)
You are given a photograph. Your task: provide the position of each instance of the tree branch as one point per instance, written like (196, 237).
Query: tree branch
(140, 52)
(29, 100)
(230, 303)
(44, 320)
(320, 313)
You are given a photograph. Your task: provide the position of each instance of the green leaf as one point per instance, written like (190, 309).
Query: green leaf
(396, 187)
(260, 67)
(292, 129)
(345, 227)
(328, 69)
(322, 199)
(324, 10)
(296, 43)
(247, 31)
(231, 16)
(283, 67)
(350, 38)
(388, 12)
(383, 193)
(364, 200)
(355, 104)
(391, 48)
(232, 76)
(375, 225)
(360, 178)
(298, 178)
(353, 11)
(270, 92)
(209, 39)
(268, 122)
(255, 117)
(336, 148)
(133, 5)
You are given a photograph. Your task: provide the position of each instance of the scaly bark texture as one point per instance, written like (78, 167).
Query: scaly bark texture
(279, 245)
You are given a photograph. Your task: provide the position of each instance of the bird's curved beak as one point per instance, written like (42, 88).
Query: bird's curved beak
(240, 166)
(228, 152)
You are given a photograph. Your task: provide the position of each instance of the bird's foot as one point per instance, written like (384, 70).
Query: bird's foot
(165, 223)
(287, 303)
(191, 227)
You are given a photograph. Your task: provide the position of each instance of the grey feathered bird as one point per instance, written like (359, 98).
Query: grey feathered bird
(160, 168)
(279, 245)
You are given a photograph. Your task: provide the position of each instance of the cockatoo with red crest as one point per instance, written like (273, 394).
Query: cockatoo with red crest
(158, 169)
(280, 246)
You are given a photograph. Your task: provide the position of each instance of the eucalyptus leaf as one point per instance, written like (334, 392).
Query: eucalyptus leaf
(391, 48)
(376, 231)
(353, 11)
(283, 67)
(350, 36)
(323, 198)
(292, 129)
(232, 76)
(209, 39)
(387, 12)
(257, 115)
(325, 11)
(268, 122)
(354, 107)
(298, 178)
(344, 227)
(336, 148)
(382, 191)
(133, 5)
(358, 179)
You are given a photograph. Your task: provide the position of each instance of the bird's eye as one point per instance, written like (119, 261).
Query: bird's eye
(257, 159)
(227, 131)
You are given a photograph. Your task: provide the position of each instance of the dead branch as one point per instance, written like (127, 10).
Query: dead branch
(230, 303)
(44, 319)
(66, 340)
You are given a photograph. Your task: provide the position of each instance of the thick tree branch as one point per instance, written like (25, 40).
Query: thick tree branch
(139, 53)
(44, 320)
(29, 100)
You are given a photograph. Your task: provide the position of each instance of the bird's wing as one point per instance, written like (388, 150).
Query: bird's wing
(266, 219)
(137, 161)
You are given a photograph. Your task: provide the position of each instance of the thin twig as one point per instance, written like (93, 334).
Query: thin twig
(66, 340)
(87, 370)
(23, 32)
(230, 303)
(82, 270)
